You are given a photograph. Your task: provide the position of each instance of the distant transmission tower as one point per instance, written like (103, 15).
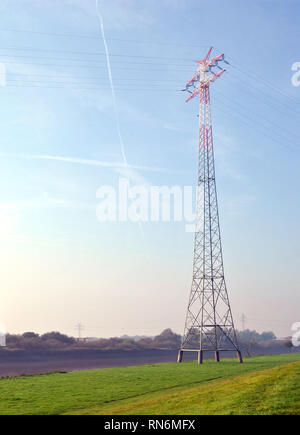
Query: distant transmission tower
(79, 328)
(243, 320)
(209, 323)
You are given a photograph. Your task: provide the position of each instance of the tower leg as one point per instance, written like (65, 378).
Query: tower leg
(200, 357)
(217, 356)
(240, 358)
(180, 355)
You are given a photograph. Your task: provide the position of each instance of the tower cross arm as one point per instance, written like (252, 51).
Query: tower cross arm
(214, 77)
(193, 79)
(210, 79)
(215, 60)
(193, 95)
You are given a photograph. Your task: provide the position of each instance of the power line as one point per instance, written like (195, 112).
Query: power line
(260, 93)
(93, 54)
(243, 320)
(248, 72)
(91, 66)
(70, 35)
(161, 90)
(90, 60)
(67, 76)
(92, 87)
(258, 126)
(254, 76)
(74, 85)
(101, 80)
(281, 130)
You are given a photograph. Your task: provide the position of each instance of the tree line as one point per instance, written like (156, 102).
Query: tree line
(166, 340)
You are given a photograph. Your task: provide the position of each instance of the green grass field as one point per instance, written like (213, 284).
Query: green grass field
(262, 385)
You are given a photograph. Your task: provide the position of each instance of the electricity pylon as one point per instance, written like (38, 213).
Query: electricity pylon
(79, 328)
(209, 323)
(243, 320)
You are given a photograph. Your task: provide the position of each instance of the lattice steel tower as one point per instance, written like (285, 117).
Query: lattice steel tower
(209, 323)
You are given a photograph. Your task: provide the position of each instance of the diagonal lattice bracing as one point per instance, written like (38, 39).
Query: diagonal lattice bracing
(209, 323)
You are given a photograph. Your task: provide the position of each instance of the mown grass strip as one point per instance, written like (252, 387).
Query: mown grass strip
(274, 391)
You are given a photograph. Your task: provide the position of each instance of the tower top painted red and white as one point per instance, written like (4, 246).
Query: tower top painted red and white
(205, 74)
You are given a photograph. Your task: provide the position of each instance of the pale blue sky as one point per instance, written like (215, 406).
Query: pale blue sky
(59, 264)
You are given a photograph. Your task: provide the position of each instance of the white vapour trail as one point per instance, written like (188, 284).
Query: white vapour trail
(111, 82)
(113, 93)
(90, 162)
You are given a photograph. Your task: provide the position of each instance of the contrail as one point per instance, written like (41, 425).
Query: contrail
(111, 82)
(81, 161)
(113, 93)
